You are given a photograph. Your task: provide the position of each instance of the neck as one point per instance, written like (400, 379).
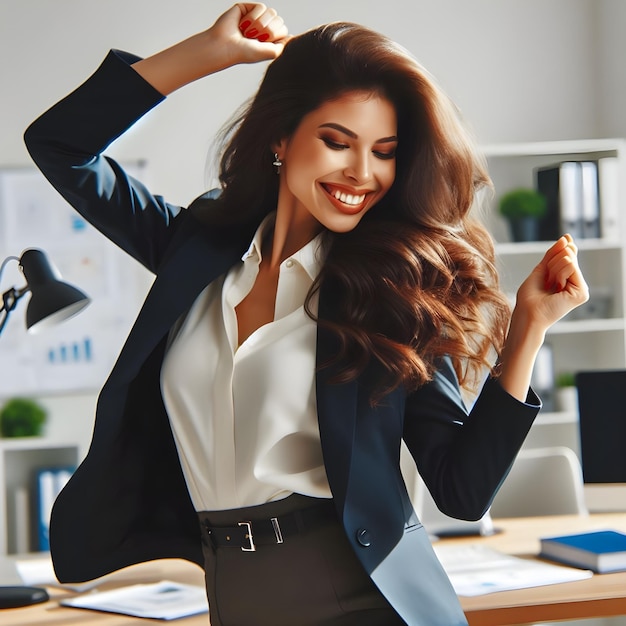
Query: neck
(293, 229)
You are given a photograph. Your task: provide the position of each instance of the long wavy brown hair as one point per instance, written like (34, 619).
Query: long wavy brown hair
(417, 275)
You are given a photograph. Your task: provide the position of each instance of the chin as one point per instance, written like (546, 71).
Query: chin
(342, 222)
(340, 225)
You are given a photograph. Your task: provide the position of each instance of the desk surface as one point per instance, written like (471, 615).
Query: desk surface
(52, 614)
(599, 596)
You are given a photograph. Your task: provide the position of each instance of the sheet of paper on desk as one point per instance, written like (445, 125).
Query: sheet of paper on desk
(476, 570)
(164, 600)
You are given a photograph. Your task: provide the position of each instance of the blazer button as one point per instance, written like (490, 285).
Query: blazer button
(364, 537)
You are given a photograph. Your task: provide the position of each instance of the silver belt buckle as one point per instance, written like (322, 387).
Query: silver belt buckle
(251, 547)
(277, 531)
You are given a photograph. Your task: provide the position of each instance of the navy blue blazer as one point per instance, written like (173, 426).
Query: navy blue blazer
(128, 502)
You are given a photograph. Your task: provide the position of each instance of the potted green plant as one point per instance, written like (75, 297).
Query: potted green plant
(523, 208)
(566, 392)
(22, 417)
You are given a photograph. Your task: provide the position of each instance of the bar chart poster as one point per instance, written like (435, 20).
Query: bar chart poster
(78, 354)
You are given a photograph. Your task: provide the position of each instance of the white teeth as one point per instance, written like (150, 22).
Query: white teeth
(348, 198)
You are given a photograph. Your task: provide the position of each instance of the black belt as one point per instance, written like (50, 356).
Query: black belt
(248, 534)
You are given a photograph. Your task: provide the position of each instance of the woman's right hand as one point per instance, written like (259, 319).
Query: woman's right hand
(251, 32)
(248, 32)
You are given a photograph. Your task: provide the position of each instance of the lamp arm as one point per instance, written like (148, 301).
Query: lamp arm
(4, 263)
(4, 319)
(11, 296)
(9, 301)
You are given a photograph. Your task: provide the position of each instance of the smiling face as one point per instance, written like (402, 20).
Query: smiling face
(339, 162)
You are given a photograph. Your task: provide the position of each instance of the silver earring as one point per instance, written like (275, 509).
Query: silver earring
(277, 162)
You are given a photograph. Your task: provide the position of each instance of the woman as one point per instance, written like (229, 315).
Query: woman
(318, 309)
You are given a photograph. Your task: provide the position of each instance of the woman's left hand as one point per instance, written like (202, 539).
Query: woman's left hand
(555, 286)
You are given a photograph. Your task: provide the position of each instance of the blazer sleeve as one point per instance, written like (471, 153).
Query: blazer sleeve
(462, 456)
(67, 143)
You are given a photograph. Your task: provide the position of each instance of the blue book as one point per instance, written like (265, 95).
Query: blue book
(50, 481)
(602, 551)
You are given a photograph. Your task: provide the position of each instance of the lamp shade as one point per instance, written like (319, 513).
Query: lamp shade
(52, 300)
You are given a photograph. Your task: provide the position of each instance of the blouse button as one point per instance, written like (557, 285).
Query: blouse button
(364, 537)
(289, 263)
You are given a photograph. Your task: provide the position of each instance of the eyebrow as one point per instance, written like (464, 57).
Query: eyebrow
(353, 135)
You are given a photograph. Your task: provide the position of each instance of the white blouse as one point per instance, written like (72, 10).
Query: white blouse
(244, 418)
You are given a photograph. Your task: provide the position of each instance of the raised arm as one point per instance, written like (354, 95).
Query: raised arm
(68, 142)
(246, 33)
(464, 459)
(554, 287)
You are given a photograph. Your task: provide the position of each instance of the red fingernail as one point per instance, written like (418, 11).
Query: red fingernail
(252, 33)
(244, 25)
(263, 37)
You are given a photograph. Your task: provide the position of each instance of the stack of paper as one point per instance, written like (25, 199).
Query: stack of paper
(476, 570)
(164, 600)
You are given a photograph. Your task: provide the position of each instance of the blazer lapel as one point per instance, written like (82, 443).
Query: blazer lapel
(336, 404)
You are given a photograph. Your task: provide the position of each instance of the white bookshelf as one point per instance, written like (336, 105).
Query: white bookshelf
(20, 459)
(577, 343)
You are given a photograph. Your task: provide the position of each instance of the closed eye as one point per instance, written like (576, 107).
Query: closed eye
(385, 156)
(334, 145)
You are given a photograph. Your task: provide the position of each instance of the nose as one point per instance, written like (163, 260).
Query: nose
(359, 167)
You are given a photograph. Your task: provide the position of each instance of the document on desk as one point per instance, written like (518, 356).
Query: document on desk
(163, 600)
(476, 570)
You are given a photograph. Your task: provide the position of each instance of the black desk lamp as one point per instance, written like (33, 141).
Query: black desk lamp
(51, 301)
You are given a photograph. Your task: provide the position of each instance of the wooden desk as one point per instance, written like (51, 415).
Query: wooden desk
(601, 596)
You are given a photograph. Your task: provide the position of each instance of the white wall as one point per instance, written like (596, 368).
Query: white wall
(611, 71)
(520, 70)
